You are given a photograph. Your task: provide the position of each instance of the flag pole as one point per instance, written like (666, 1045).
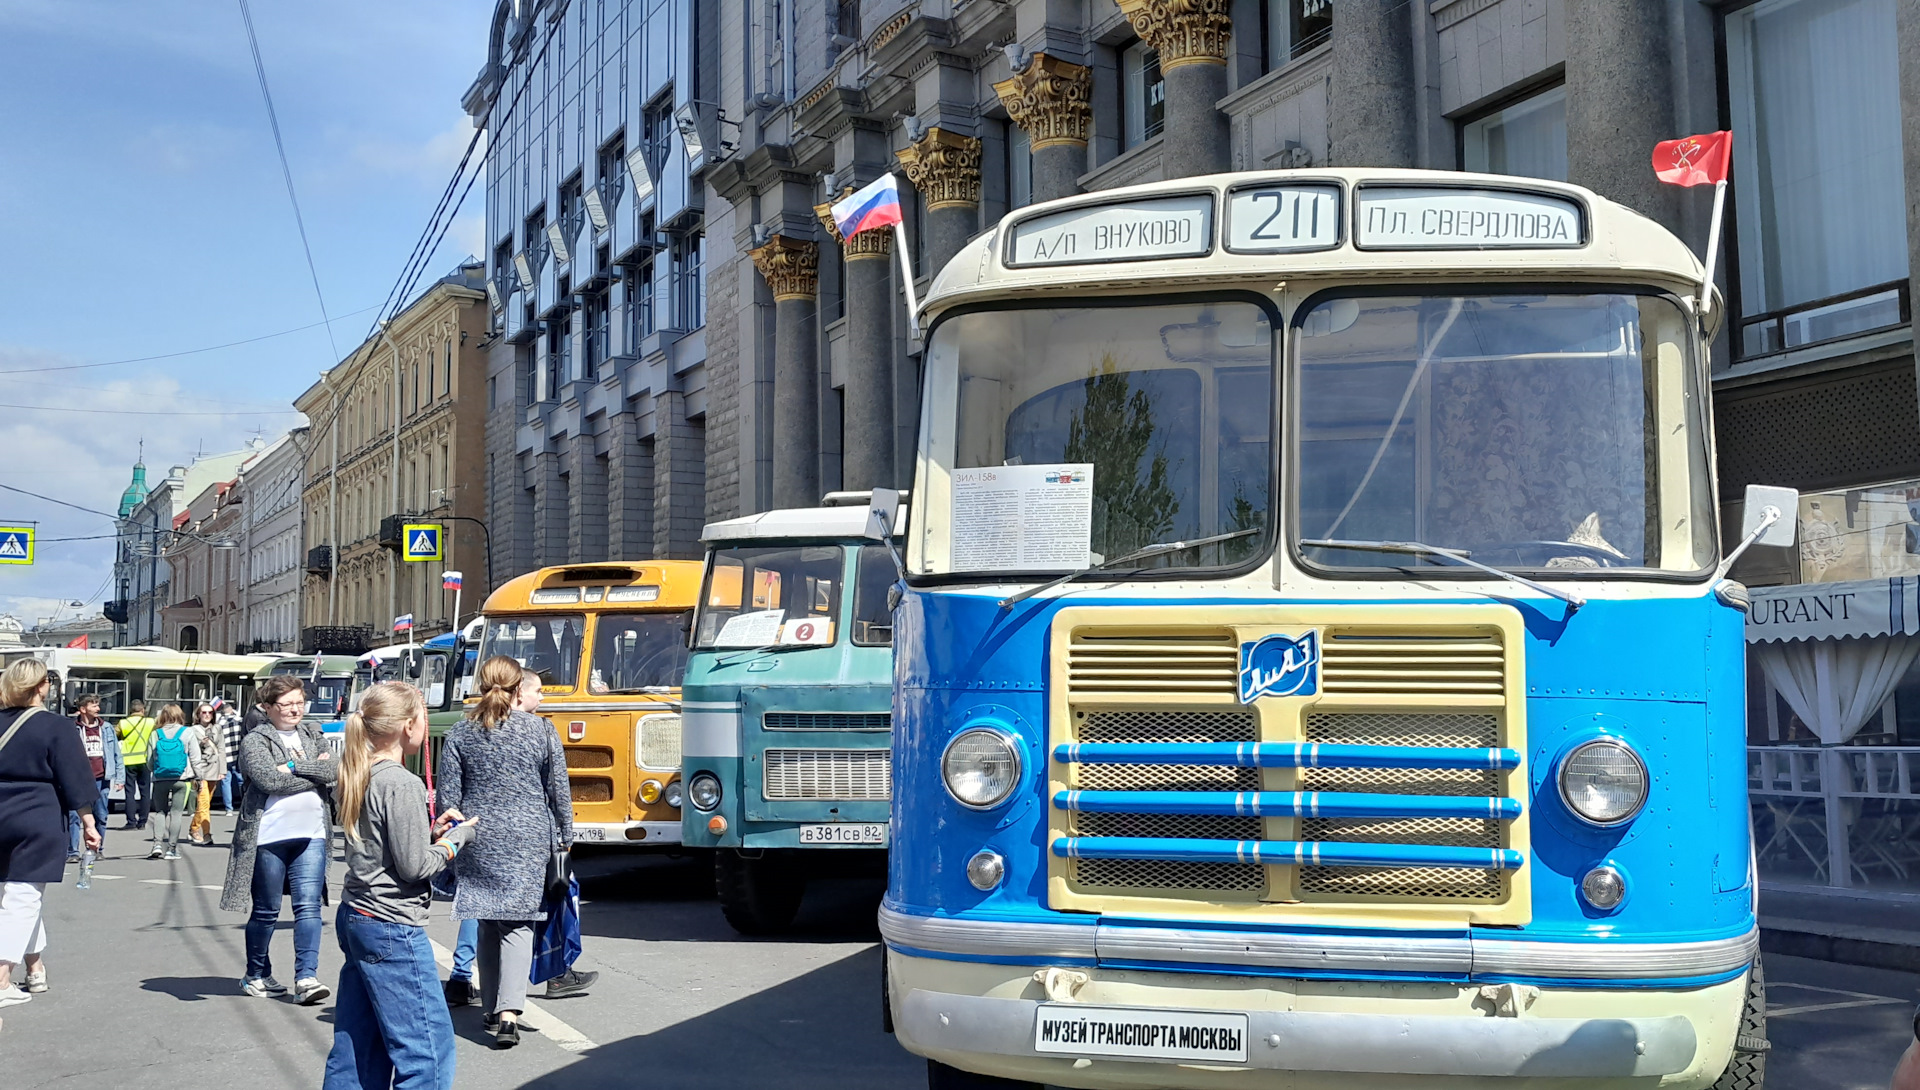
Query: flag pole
(906, 279)
(1713, 245)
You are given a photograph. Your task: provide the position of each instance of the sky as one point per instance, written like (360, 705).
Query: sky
(143, 212)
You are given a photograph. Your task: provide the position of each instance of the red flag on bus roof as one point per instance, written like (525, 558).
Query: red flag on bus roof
(1693, 160)
(79, 641)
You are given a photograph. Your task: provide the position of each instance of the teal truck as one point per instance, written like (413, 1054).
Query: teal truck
(788, 699)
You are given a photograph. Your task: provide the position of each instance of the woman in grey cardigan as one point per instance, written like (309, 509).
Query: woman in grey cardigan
(506, 767)
(282, 837)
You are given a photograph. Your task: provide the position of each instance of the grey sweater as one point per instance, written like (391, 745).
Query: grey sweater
(390, 865)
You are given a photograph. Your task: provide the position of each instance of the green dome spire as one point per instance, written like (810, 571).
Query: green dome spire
(136, 490)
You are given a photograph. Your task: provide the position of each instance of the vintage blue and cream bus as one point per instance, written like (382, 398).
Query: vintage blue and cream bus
(1315, 666)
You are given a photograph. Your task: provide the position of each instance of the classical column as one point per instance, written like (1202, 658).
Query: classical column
(1620, 101)
(867, 461)
(1051, 100)
(791, 267)
(1371, 97)
(945, 167)
(1191, 37)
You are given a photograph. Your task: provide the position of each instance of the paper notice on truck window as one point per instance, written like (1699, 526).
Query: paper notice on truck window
(1022, 518)
(757, 629)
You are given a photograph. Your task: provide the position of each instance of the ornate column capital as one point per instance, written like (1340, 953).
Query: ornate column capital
(791, 267)
(1051, 100)
(875, 242)
(945, 167)
(1182, 31)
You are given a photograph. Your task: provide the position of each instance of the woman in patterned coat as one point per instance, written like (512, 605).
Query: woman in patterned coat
(506, 767)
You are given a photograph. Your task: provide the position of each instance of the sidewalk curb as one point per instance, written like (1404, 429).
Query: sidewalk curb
(1848, 944)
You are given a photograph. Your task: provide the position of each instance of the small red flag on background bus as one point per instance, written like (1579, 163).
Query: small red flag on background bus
(1693, 160)
(79, 641)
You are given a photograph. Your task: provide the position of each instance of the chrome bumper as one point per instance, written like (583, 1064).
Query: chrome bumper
(1436, 955)
(938, 1023)
(613, 834)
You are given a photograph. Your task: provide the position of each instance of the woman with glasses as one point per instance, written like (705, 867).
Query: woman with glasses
(210, 768)
(281, 839)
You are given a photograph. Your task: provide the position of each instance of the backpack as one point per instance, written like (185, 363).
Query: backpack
(170, 754)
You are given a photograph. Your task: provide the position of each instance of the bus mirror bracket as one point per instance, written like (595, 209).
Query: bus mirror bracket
(883, 514)
(1770, 517)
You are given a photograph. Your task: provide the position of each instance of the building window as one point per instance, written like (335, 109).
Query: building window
(1296, 27)
(1019, 167)
(559, 361)
(1143, 105)
(1818, 178)
(639, 304)
(1527, 138)
(571, 212)
(689, 293)
(656, 127)
(593, 350)
(612, 170)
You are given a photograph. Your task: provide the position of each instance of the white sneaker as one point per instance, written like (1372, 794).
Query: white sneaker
(12, 995)
(263, 987)
(156, 852)
(171, 854)
(37, 982)
(310, 991)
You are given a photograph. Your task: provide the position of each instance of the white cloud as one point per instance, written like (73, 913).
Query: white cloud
(431, 161)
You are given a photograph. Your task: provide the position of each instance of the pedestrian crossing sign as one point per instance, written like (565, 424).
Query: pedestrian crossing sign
(16, 544)
(420, 541)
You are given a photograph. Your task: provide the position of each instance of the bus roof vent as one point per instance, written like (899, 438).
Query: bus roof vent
(598, 573)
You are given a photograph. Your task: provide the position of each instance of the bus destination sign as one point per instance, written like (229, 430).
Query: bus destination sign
(1179, 226)
(1405, 218)
(1276, 219)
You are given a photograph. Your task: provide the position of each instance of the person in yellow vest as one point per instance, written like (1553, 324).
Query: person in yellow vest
(136, 737)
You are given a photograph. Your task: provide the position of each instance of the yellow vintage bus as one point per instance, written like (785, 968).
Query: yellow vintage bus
(609, 641)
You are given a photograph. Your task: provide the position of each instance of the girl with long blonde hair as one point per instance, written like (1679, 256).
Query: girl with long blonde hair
(390, 1025)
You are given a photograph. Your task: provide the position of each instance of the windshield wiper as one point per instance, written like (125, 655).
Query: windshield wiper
(1415, 548)
(1138, 554)
(745, 651)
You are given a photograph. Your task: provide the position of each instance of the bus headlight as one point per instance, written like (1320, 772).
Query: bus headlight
(650, 791)
(704, 790)
(985, 869)
(1604, 782)
(980, 767)
(676, 795)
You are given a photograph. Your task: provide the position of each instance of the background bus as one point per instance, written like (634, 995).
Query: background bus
(609, 641)
(157, 675)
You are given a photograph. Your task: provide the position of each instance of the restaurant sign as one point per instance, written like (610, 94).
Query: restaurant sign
(1834, 611)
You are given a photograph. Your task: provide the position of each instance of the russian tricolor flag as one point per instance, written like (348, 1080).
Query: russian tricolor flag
(875, 205)
(450, 580)
(403, 623)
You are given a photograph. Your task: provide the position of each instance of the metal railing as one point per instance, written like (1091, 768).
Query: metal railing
(1841, 815)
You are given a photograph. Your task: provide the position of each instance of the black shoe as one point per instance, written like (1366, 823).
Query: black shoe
(460, 993)
(73, 859)
(569, 984)
(507, 1035)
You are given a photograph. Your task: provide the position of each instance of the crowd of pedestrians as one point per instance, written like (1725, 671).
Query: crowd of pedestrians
(498, 844)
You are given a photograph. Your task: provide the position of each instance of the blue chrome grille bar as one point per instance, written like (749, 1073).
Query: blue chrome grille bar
(1336, 804)
(1282, 755)
(1285, 852)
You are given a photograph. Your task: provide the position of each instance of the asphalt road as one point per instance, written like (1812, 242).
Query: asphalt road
(145, 972)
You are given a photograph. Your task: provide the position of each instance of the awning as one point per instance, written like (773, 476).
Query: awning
(1833, 611)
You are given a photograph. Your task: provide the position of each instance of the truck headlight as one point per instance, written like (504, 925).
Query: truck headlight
(676, 795)
(1604, 782)
(980, 767)
(704, 791)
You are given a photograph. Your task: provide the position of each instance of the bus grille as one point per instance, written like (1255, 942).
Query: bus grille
(1153, 827)
(827, 721)
(660, 743)
(836, 775)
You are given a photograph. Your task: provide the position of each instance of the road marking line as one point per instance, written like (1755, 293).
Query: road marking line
(534, 1017)
(108, 877)
(210, 887)
(159, 881)
(1784, 1012)
(1829, 991)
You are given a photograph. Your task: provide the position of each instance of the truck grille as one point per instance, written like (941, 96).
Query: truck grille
(659, 748)
(835, 775)
(827, 721)
(1394, 783)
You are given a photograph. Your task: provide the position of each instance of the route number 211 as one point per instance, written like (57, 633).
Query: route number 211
(1276, 219)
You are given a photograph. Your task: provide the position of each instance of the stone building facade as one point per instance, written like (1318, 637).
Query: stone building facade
(272, 546)
(397, 429)
(150, 515)
(599, 112)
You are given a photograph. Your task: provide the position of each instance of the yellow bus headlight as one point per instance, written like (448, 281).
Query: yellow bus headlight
(650, 791)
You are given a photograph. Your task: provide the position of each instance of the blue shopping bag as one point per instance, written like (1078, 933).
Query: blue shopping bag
(556, 939)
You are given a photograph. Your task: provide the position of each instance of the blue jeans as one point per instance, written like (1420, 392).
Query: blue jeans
(74, 840)
(231, 787)
(463, 951)
(390, 1023)
(303, 865)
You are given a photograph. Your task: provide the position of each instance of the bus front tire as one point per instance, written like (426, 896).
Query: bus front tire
(942, 1077)
(1748, 1068)
(758, 895)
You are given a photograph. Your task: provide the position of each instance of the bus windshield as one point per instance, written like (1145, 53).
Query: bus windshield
(634, 652)
(548, 645)
(1169, 404)
(1551, 432)
(766, 595)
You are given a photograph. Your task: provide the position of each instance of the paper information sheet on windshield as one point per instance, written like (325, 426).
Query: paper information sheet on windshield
(1023, 518)
(758, 629)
